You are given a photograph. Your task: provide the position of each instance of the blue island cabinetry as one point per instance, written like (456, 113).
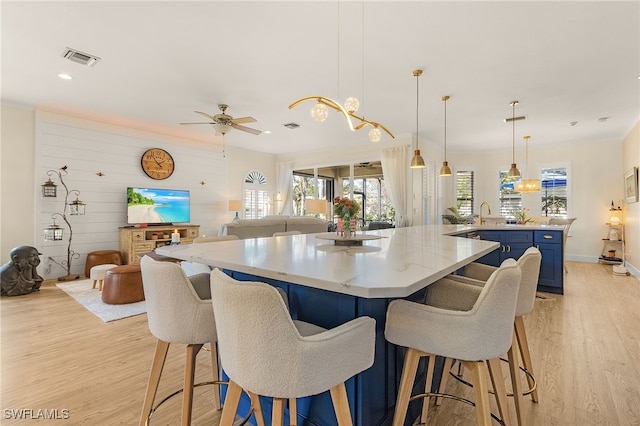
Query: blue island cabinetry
(513, 243)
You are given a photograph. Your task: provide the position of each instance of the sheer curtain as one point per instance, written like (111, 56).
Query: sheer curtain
(284, 182)
(394, 168)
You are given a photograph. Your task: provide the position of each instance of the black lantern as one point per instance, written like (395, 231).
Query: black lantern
(76, 207)
(49, 189)
(53, 232)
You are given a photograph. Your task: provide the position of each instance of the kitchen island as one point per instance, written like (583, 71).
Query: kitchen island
(329, 285)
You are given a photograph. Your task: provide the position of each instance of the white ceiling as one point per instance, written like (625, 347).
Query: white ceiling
(160, 61)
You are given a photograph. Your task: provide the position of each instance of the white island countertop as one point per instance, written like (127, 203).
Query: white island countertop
(400, 263)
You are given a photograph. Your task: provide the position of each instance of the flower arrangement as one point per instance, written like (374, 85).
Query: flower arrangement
(346, 210)
(521, 217)
(345, 207)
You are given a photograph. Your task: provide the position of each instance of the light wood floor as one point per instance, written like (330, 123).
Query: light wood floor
(55, 355)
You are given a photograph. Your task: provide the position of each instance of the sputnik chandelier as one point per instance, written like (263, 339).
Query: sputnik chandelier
(320, 112)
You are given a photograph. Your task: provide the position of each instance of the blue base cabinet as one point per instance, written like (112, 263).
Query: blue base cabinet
(514, 243)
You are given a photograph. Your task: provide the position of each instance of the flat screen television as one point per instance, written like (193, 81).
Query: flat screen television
(158, 206)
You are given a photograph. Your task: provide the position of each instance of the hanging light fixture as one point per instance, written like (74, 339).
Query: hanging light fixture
(53, 232)
(417, 162)
(445, 170)
(320, 111)
(527, 185)
(49, 189)
(77, 207)
(513, 171)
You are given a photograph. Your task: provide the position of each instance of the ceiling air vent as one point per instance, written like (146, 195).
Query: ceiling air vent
(80, 57)
(291, 125)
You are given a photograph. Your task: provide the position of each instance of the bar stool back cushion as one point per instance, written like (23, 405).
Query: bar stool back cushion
(175, 312)
(480, 333)
(478, 274)
(263, 352)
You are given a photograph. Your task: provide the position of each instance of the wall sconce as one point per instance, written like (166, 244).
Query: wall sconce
(235, 206)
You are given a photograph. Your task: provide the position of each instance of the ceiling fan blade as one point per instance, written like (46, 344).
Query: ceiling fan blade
(246, 129)
(243, 120)
(206, 115)
(200, 122)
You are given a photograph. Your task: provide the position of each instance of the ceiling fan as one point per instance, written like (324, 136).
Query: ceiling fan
(223, 123)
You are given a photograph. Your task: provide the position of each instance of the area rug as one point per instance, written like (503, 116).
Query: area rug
(91, 298)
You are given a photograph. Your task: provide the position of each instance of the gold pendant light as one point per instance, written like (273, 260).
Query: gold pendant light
(513, 171)
(417, 162)
(445, 170)
(527, 186)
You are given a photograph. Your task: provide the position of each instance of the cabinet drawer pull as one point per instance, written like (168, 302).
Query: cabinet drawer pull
(508, 249)
(547, 237)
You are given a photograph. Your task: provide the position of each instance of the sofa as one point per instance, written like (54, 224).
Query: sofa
(267, 226)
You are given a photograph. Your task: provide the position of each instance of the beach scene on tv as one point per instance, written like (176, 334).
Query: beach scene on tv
(150, 205)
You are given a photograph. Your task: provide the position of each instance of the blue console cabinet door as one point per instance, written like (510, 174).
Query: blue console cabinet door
(552, 268)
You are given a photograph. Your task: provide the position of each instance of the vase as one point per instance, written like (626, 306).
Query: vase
(346, 226)
(353, 226)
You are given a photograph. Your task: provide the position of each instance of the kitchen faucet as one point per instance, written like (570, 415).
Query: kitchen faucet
(483, 221)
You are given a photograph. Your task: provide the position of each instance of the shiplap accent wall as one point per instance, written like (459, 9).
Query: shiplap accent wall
(87, 147)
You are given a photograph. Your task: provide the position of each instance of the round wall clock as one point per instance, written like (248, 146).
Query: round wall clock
(157, 163)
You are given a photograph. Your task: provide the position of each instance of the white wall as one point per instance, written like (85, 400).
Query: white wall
(16, 179)
(594, 180)
(596, 171)
(88, 147)
(631, 219)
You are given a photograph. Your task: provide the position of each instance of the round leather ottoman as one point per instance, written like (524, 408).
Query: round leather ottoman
(123, 284)
(101, 257)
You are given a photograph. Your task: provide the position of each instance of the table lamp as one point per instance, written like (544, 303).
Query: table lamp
(235, 206)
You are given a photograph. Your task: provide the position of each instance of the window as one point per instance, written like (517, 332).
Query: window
(256, 203)
(464, 191)
(554, 191)
(304, 187)
(510, 201)
(372, 196)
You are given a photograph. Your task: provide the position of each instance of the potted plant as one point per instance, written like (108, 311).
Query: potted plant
(457, 218)
(521, 217)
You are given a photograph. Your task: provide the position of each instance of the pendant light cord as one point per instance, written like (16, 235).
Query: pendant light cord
(445, 127)
(513, 132)
(417, 104)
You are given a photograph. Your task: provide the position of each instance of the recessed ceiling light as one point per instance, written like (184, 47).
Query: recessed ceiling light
(603, 119)
(573, 123)
(65, 76)
(267, 131)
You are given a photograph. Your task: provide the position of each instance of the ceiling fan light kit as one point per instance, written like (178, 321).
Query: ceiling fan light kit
(224, 123)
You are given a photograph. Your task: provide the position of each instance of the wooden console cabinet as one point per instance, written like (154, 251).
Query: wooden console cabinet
(137, 241)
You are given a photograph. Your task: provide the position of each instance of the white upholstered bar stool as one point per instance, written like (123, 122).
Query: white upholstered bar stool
(445, 295)
(176, 315)
(265, 352)
(475, 337)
